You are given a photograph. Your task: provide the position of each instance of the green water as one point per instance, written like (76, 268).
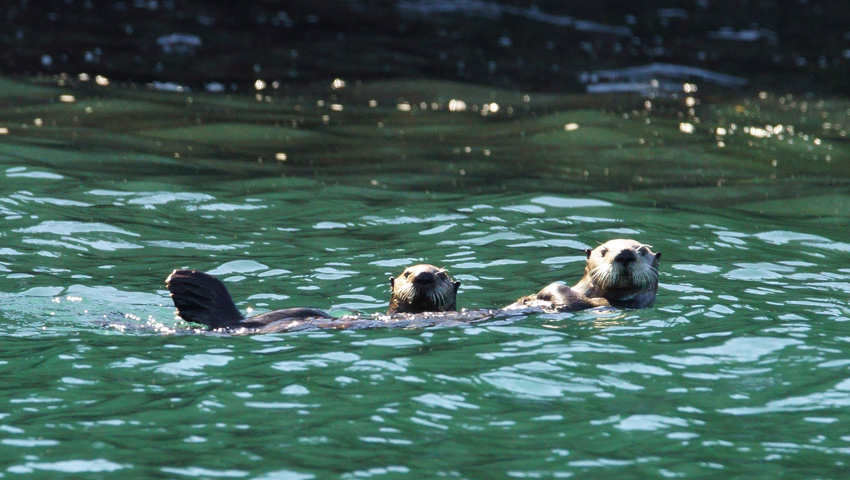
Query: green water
(739, 371)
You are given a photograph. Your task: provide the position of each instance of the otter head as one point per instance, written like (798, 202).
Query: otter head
(624, 272)
(422, 288)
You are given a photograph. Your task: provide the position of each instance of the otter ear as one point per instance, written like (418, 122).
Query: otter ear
(392, 283)
(588, 251)
(457, 285)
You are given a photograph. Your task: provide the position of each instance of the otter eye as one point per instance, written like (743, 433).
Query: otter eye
(643, 251)
(442, 275)
(406, 273)
(603, 252)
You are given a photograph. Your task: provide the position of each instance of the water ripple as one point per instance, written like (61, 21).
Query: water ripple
(238, 266)
(837, 397)
(650, 422)
(200, 472)
(483, 239)
(194, 246)
(735, 350)
(70, 466)
(71, 228)
(534, 387)
(285, 475)
(61, 202)
(446, 401)
(191, 364)
(22, 172)
(224, 207)
(561, 202)
(153, 198)
(639, 368)
(405, 220)
(29, 442)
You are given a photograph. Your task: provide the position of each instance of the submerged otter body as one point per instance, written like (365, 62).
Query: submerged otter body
(203, 298)
(619, 273)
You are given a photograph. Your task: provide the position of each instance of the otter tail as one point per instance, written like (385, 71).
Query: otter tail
(202, 298)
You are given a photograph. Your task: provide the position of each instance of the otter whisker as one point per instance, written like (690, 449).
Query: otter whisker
(603, 276)
(438, 300)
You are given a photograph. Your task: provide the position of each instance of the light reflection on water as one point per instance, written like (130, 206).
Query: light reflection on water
(740, 366)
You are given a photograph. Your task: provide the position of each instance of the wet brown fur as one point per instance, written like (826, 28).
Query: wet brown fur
(620, 273)
(203, 298)
(423, 288)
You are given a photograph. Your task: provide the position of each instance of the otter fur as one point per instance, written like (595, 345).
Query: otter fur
(620, 273)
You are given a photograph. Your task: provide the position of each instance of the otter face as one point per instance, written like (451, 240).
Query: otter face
(623, 264)
(422, 288)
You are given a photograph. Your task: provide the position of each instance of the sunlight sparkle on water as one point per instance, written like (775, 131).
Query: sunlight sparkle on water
(767, 131)
(489, 108)
(457, 105)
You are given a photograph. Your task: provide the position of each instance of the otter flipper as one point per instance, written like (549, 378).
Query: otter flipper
(202, 298)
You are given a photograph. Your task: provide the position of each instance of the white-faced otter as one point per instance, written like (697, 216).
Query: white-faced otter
(203, 298)
(619, 273)
(423, 288)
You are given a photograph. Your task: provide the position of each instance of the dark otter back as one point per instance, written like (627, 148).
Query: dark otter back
(287, 314)
(202, 298)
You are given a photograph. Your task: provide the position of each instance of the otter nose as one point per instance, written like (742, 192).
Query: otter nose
(625, 257)
(424, 279)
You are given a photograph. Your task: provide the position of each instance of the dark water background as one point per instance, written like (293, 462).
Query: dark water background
(795, 46)
(312, 192)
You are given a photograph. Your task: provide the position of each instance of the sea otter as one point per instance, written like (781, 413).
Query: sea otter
(203, 298)
(422, 288)
(619, 273)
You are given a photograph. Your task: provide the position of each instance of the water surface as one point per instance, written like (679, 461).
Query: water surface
(739, 370)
